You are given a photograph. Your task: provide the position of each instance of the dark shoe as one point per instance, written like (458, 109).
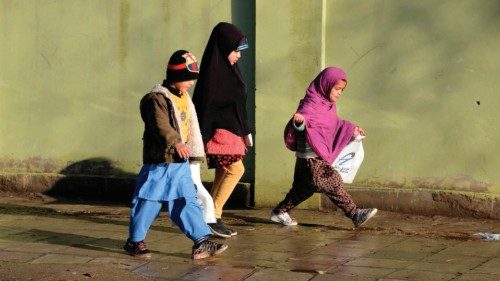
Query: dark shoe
(230, 230)
(363, 215)
(137, 249)
(207, 248)
(219, 230)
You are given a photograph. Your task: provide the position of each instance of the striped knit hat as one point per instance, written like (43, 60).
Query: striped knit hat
(182, 66)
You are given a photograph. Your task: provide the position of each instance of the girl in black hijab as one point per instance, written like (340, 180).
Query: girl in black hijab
(220, 101)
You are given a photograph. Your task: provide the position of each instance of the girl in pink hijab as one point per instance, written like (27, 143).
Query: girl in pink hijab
(317, 135)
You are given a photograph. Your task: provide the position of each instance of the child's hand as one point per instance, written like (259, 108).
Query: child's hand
(248, 140)
(359, 131)
(182, 150)
(298, 119)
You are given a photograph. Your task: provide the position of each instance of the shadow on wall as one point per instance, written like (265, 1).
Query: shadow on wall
(96, 179)
(99, 179)
(95, 166)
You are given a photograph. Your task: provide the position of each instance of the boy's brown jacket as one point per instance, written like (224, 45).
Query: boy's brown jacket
(161, 129)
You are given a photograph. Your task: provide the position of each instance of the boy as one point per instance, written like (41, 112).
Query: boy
(165, 177)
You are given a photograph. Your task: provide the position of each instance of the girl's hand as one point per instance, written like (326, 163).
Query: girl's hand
(359, 131)
(298, 119)
(248, 140)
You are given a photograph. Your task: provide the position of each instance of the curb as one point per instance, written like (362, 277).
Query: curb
(424, 202)
(120, 189)
(99, 188)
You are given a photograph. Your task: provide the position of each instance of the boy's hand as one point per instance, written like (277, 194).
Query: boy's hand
(182, 150)
(298, 119)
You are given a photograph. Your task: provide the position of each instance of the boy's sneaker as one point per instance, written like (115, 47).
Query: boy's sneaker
(137, 249)
(363, 215)
(283, 218)
(207, 248)
(218, 229)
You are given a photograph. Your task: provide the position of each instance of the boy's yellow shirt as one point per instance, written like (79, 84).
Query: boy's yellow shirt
(182, 104)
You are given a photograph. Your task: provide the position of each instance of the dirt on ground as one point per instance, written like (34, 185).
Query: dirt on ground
(52, 272)
(389, 223)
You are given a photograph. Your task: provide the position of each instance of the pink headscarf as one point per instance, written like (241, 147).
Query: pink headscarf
(326, 133)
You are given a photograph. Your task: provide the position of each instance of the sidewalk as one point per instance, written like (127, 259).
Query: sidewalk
(45, 239)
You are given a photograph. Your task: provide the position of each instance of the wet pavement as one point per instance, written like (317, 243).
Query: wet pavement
(42, 238)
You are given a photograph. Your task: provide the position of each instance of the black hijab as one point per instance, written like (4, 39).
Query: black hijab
(220, 92)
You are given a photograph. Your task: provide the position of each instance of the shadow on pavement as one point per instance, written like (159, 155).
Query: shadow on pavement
(77, 241)
(94, 217)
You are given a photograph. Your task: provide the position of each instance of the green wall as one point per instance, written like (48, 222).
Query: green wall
(422, 83)
(288, 56)
(72, 74)
(424, 86)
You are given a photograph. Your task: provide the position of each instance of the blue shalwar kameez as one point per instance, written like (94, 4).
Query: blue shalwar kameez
(168, 184)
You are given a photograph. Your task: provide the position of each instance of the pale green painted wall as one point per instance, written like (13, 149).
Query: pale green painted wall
(288, 56)
(417, 71)
(72, 74)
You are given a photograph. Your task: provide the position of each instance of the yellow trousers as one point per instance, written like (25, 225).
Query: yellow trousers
(225, 181)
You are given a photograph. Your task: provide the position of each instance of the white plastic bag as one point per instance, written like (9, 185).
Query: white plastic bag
(350, 159)
(488, 236)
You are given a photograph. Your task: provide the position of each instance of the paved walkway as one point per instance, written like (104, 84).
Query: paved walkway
(44, 239)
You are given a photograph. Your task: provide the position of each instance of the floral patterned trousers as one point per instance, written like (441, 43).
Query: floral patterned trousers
(316, 175)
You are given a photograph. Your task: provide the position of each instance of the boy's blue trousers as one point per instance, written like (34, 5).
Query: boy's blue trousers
(186, 213)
